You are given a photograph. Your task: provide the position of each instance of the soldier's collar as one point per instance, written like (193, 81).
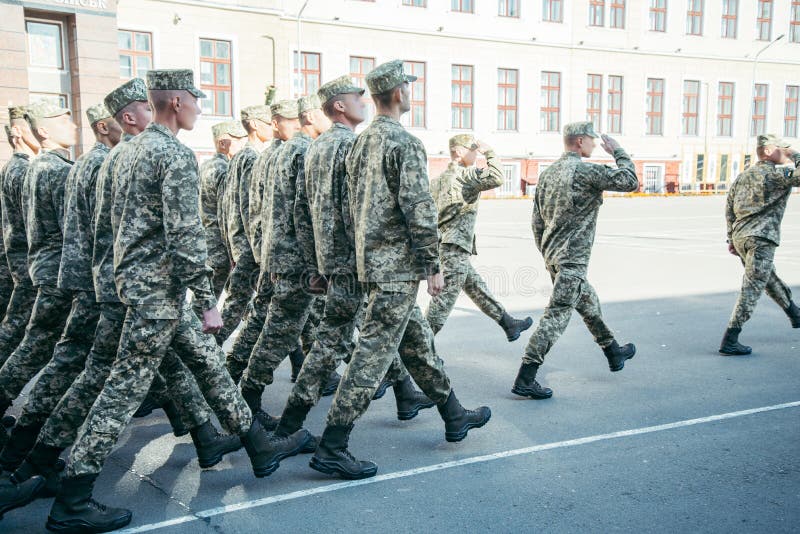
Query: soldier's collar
(341, 126)
(100, 146)
(21, 155)
(386, 118)
(154, 126)
(61, 153)
(570, 154)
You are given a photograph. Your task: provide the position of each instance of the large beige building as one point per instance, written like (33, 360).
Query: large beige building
(683, 84)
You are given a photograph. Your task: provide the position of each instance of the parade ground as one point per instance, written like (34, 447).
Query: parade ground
(681, 440)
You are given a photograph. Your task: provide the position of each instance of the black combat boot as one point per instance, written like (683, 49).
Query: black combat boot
(74, 510)
(382, 387)
(266, 452)
(409, 400)
(333, 383)
(20, 442)
(730, 345)
(179, 428)
(514, 327)
(43, 461)
(333, 458)
(292, 420)
(526, 385)
(296, 358)
(211, 446)
(617, 355)
(794, 314)
(16, 495)
(252, 396)
(458, 421)
(146, 407)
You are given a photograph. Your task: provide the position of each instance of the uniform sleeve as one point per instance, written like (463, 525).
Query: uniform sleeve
(730, 216)
(89, 192)
(537, 222)
(793, 177)
(303, 228)
(622, 179)
(415, 201)
(57, 198)
(492, 175)
(186, 242)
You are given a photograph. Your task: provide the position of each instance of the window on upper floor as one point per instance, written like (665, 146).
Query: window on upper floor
(551, 102)
(415, 3)
(215, 77)
(791, 113)
(654, 119)
(725, 109)
(694, 17)
(307, 70)
(658, 15)
(759, 122)
(764, 20)
(597, 12)
(616, 14)
(794, 22)
(691, 107)
(416, 116)
(135, 53)
(461, 89)
(507, 91)
(462, 6)
(553, 10)
(508, 8)
(615, 104)
(730, 14)
(594, 99)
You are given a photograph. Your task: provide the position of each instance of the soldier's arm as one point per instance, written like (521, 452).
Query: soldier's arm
(416, 203)
(537, 223)
(622, 179)
(186, 241)
(730, 216)
(89, 195)
(794, 176)
(477, 180)
(57, 198)
(304, 230)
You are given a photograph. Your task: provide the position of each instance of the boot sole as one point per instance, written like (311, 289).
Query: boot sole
(411, 414)
(23, 502)
(526, 393)
(276, 462)
(334, 469)
(81, 527)
(735, 352)
(205, 463)
(454, 437)
(516, 336)
(381, 391)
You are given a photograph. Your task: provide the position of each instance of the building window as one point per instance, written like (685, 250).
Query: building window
(508, 8)
(594, 98)
(135, 53)
(653, 178)
(764, 20)
(462, 6)
(307, 73)
(615, 104)
(759, 122)
(658, 15)
(691, 107)
(794, 22)
(597, 10)
(730, 12)
(462, 97)
(415, 3)
(359, 67)
(507, 88)
(655, 106)
(694, 17)
(723, 168)
(551, 102)
(215, 76)
(416, 117)
(44, 44)
(553, 10)
(616, 14)
(725, 109)
(790, 114)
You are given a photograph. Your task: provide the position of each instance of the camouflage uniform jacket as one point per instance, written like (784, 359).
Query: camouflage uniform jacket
(330, 249)
(256, 194)
(394, 216)
(43, 194)
(757, 200)
(239, 169)
(75, 272)
(280, 251)
(159, 243)
(103, 250)
(568, 198)
(212, 176)
(457, 216)
(15, 239)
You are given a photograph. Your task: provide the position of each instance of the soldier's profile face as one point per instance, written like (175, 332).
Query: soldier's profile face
(354, 107)
(405, 97)
(286, 128)
(588, 145)
(62, 130)
(140, 113)
(25, 132)
(188, 111)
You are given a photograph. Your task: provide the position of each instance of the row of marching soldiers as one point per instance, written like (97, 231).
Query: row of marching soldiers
(304, 219)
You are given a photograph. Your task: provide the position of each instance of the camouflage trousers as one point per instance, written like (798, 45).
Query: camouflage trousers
(334, 340)
(6, 287)
(459, 274)
(61, 428)
(309, 333)
(287, 315)
(253, 323)
(17, 315)
(240, 287)
(48, 317)
(757, 256)
(393, 324)
(146, 337)
(571, 291)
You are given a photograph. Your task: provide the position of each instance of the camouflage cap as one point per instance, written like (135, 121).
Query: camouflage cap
(134, 90)
(465, 140)
(16, 112)
(232, 128)
(307, 103)
(97, 112)
(44, 109)
(342, 85)
(575, 129)
(387, 76)
(285, 108)
(771, 140)
(173, 80)
(260, 113)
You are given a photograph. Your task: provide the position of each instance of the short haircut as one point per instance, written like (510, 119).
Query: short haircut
(246, 126)
(385, 98)
(570, 139)
(162, 98)
(328, 108)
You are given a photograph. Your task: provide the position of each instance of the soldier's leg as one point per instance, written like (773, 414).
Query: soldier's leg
(779, 291)
(315, 313)
(6, 288)
(418, 354)
(288, 312)
(476, 289)
(252, 325)
(588, 307)
(757, 256)
(241, 286)
(455, 274)
(18, 313)
(47, 321)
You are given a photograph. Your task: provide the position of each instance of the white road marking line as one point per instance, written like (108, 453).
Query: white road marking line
(212, 512)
